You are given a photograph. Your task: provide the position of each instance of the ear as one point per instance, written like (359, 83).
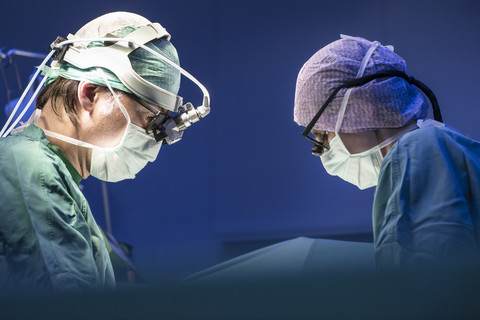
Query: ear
(86, 95)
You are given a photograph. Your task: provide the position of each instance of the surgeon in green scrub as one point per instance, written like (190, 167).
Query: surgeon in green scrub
(89, 121)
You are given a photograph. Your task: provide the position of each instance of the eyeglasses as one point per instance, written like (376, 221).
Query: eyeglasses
(155, 126)
(319, 146)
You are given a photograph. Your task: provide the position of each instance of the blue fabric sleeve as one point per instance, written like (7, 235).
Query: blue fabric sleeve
(422, 212)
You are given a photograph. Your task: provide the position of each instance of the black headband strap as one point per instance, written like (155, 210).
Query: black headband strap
(365, 79)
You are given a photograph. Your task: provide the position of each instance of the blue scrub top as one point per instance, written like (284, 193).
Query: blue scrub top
(427, 203)
(48, 236)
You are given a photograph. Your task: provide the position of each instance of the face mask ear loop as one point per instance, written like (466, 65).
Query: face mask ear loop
(341, 112)
(361, 70)
(117, 100)
(119, 103)
(39, 69)
(69, 140)
(397, 135)
(389, 140)
(367, 57)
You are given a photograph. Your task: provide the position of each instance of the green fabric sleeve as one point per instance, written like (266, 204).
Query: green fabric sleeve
(49, 235)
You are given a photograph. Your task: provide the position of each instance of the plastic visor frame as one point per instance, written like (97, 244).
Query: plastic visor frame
(60, 48)
(319, 147)
(163, 126)
(114, 57)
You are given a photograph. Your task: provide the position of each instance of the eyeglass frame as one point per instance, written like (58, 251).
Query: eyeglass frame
(155, 126)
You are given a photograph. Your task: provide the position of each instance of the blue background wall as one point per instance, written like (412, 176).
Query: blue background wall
(243, 177)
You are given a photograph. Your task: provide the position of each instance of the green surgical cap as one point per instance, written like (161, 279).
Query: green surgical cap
(146, 65)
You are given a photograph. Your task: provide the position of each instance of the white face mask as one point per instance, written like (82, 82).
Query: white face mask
(361, 169)
(125, 160)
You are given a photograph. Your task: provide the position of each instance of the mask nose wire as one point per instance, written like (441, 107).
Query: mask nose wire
(361, 70)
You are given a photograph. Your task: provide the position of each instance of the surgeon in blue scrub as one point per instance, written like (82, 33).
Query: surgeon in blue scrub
(368, 121)
(104, 111)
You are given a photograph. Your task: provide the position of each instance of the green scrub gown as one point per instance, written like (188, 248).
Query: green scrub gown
(427, 203)
(48, 236)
